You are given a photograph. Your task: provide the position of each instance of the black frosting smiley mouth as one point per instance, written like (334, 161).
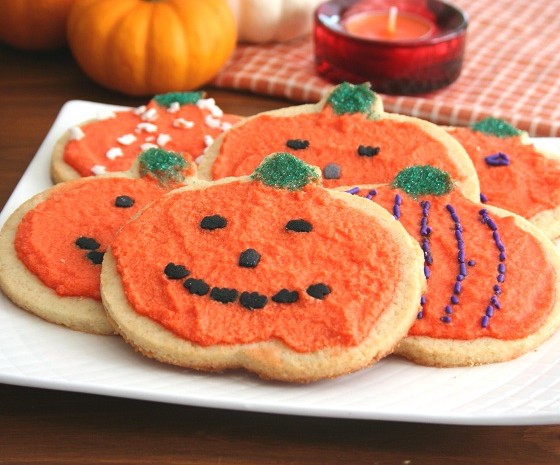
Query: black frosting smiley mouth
(251, 300)
(249, 258)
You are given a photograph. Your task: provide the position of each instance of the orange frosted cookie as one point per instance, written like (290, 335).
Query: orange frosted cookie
(347, 135)
(513, 173)
(270, 272)
(493, 278)
(182, 122)
(52, 246)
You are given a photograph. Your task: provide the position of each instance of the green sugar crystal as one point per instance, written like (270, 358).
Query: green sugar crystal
(348, 98)
(419, 180)
(182, 98)
(496, 127)
(163, 165)
(284, 171)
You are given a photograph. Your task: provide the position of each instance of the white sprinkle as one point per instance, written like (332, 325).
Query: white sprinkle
(226, 126)
(76, 133)
(183, 123)
(150, 138)
(174, 107)
(104, 115)
(210, 105)
(148, 127)
(98, 169)
(114, 152)
(149, 115)
(147, 146)
(127, 139)
(163, 139)
(208, 140)
(138, 111)
(212, 122)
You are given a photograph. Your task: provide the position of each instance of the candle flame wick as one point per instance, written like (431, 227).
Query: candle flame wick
(392, 19)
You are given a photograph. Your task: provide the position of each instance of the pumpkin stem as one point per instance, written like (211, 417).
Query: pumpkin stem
(348, 98)
(423, 180)
(182, 98)
(284, 171)
(163, 165)
(496, 127)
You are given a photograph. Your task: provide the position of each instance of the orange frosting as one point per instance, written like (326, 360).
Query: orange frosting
(333, 139)
(45, 239)
(527, 292)
(528, 185)
(346, 250)
(101, 136)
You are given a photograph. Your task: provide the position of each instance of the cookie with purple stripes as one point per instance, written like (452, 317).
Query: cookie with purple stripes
(493, 278)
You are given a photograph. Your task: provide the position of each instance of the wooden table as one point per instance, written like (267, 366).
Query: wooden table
(52, 427)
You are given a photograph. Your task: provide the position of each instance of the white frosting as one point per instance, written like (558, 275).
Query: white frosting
(114, 152)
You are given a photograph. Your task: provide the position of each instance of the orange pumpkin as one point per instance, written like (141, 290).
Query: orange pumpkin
(34, 24)
(145, 47)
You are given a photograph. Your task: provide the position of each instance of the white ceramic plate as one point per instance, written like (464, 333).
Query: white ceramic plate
(39, 354)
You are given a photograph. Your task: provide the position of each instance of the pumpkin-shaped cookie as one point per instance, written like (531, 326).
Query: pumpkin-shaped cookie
(347, 135)
(269, 272)
(52, 246)
(184, 122)
(493, 278)
(513, 173)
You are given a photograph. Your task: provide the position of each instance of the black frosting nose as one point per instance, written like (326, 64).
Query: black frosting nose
(249, 258)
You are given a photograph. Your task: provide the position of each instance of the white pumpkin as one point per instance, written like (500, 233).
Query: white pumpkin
(262, 21)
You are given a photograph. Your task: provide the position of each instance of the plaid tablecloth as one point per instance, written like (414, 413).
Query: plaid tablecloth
(511, 70)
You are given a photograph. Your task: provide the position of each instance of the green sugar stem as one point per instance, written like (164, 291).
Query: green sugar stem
(163, 165)
(348, 98)
(496, 127)
(420, 180)
(182, 98)
(284, 171)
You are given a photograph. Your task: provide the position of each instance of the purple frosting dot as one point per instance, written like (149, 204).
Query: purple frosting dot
(497, 159)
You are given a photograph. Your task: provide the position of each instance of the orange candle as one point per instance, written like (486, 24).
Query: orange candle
(388, 25)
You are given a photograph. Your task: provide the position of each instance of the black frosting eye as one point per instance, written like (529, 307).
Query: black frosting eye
(368, 151)
(212, 222)
(299, 225)
(124, 201)
(297, 144)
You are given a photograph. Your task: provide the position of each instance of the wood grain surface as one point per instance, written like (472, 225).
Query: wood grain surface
(40, 426)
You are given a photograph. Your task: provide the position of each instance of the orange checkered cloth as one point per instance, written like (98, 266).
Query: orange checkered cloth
(511, 70)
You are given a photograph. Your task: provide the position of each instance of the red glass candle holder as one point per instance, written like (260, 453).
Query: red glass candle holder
(392, 66)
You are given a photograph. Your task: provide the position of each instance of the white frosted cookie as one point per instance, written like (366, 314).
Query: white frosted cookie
(269, 272)
(52, 246)
(347, 135)
(183, 122)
